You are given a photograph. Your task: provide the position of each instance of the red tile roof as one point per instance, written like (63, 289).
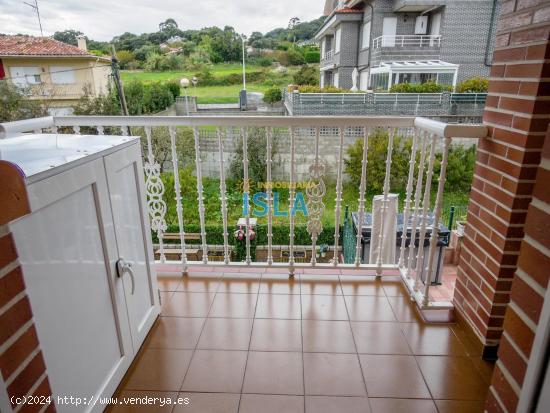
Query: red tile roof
(349, 10)
(37, 46)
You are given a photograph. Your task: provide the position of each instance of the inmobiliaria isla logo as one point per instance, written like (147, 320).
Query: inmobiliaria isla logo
(255, 198)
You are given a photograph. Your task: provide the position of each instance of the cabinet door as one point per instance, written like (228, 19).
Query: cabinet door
(67, 248)
(133, 234)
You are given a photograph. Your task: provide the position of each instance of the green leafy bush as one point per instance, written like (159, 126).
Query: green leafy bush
(317, 89)
(174, 87)
(428, 87)
(473, 85)
(307, 75)
(125, 57)
(313, 56)
(273, 95)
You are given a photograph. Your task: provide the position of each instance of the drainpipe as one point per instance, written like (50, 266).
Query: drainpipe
(371, 28)
(491, 28)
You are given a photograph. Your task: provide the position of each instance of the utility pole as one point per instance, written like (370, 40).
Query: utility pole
(118, 83)
(35, 7)
(244, 63)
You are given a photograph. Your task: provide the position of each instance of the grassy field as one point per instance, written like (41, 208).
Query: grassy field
(212, 94)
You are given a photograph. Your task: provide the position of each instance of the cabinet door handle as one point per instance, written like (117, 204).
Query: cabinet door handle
(122, 267)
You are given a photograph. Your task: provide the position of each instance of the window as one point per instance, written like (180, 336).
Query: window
(366, 35)
(25, 76)
(338, 39)
(421, 25)
(62, 75)
(389, 30)
(379, 82)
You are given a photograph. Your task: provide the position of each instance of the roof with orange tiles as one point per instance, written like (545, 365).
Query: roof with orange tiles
(38, 46)
(346, 10)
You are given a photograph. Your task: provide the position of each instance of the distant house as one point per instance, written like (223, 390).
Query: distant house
(405, 41)
(51, 70)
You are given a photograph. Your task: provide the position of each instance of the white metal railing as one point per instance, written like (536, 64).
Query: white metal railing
(427, 137)
(327, 56)
(407, 41)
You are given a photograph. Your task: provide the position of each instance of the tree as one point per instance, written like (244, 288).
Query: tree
(125, 57)
(15, 106)
(68, 36)
(168, 24)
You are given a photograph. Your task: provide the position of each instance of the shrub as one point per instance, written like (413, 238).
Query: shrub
(273, 95)
(125, 57)
(263, 61)
(157, 97)
(317, 89)
(295, 58)
(428, 87)
(307, 75)
(134, 92)
(15, 106)
(313, 56)
(174, 87)
(473, 85)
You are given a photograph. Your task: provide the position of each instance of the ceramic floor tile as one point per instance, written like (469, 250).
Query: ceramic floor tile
(330, 374)
(169, 282)
(175, 332)
(404, 309)
(460, 406)
(200, 283)
(357, 285)
(432, 340)
(267, 403)
(279, 284)
(234, 305)
(323, 307)
(485, 368)
(239, 284)
(452, 378)
(379, 338)
(369, 308)
(209, 403)
(183, 304)
(402, 406)
(274, 373)
(393, 376)
(226, 334)
(285, 306)
(158, 369)
(323, 404)
(276, 335)
(161, 406)
(327, 336)
(215, 371)
(395, 289)
(318, 284)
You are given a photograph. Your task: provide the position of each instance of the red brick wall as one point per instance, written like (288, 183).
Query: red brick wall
(517, 114)
(21, 363)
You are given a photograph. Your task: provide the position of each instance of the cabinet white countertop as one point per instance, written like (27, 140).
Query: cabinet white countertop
(42, 155)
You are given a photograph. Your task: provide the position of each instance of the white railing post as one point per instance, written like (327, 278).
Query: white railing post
(406, 210)
(417, 197)
(315, 192)
(437, 215)
(269, 161)
(362, 190)
(385, 201)
(338, 209)
(155, 192)
(246, 193)
(200, 194)
(425, 211)
(177, 189)
(291, 196)
(223, 196)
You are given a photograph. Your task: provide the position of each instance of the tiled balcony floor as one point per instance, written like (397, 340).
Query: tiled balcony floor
(246, 342)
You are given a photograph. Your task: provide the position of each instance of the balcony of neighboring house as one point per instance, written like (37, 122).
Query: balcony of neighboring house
(51, 91)
(327, 59)
(405, 48)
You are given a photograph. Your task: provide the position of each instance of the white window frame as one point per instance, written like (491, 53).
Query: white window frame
(337, 39)
(63, 75)
(366, 35)
(24, 76)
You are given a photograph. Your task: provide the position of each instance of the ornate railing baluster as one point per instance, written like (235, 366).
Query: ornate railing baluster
(417, 201)
(155, 193)
(338, 210)
(315, 192)
(124, 130)
(291, 197)
(200, 194)
(406, 210)
(362, 189)
(177, 189)
(425, 211)
(383, 211)
(246, 193)
(76, 130)
(269, 162)
(437, 215)
(100, 130)
(223, 196)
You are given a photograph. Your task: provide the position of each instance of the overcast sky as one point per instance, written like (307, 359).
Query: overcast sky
(103, 19)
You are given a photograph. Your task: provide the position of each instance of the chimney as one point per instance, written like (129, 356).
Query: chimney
(82, 43)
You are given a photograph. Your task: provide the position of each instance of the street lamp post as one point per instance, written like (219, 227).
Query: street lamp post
(185, 84)
(243, 102)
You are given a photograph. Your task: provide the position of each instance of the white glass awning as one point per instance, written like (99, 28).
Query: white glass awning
(420, 66)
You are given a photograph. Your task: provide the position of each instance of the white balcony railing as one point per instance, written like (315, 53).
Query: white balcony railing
(421, 218)
(407, 41)
(327, 58)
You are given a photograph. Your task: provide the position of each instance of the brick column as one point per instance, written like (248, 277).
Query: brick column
(21, 363)
(517, 114)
